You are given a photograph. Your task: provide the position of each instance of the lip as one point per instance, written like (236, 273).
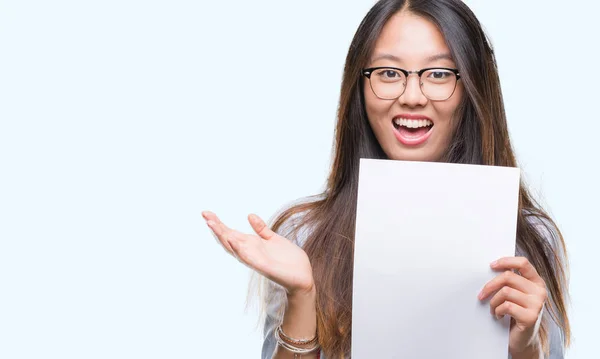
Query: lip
(412, 141)
(410, 116)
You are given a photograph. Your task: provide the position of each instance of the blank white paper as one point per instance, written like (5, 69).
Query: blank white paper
(426, 234)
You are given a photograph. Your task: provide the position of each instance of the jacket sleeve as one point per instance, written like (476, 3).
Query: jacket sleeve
(555, 333)
(275, 304)
(275, 297)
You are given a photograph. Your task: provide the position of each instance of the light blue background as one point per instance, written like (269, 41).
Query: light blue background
(120, 121)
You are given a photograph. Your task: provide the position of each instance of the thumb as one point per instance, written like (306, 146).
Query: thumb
(259, 226)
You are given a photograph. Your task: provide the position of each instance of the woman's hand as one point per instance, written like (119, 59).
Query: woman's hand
(520, 296)
(268, 253)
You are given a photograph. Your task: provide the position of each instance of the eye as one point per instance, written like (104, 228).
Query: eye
(440, 74)
(389, 75)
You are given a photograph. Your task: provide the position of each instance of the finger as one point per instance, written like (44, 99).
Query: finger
(260, 227)
(509, 279)
(522, 315)
(521, 264)
(508, 294)
(235, 251)
(215, 223)
(218, 233)
(212, 233)
(221, 231)
(207, 214)
(210, 216)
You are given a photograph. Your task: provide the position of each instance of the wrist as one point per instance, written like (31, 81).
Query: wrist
(303, 296)
(305, 292)
(300, 318)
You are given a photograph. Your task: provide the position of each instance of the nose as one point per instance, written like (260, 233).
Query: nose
(413, 96)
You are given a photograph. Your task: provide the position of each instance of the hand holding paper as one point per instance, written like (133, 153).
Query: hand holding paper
(520, 296)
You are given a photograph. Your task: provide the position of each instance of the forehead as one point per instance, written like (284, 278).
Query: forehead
(411, 38)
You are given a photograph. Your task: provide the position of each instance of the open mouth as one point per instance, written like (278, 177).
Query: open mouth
(412, 132)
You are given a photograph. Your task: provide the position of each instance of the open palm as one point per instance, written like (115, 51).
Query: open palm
(268, 253)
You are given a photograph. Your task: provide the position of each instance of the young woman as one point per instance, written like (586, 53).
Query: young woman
(420, 83)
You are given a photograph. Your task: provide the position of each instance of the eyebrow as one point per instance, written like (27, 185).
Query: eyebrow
(433, 58)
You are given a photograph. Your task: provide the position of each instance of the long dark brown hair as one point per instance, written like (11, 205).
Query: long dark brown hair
(481, 137)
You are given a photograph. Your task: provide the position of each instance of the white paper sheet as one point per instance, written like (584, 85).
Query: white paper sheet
(426, 234)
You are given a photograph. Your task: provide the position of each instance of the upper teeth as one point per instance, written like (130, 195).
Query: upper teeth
(412, 123)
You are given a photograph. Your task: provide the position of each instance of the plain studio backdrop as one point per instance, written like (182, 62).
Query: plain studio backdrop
(120, 121)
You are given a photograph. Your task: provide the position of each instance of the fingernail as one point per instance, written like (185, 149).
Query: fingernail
(494, 263)
(498, 317)
(480, 295)
(210, 223)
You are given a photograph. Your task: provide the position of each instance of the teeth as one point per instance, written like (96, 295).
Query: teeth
(412, 123)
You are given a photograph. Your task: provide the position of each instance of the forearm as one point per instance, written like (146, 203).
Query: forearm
(299, 322)
(533, 352)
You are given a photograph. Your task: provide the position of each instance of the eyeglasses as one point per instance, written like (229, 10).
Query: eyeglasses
(389, 83)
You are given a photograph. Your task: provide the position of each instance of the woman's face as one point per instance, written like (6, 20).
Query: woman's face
(411, 127)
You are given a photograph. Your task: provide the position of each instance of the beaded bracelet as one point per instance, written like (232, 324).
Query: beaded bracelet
(295, 341)
(297, 351)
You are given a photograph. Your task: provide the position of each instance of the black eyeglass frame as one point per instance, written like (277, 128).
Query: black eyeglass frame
(369, 71)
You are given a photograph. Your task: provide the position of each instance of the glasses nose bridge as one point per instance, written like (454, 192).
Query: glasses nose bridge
(416, 72)
(407, 73)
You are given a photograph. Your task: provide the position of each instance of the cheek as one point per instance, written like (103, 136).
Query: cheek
(447, 110)
(376, 108)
